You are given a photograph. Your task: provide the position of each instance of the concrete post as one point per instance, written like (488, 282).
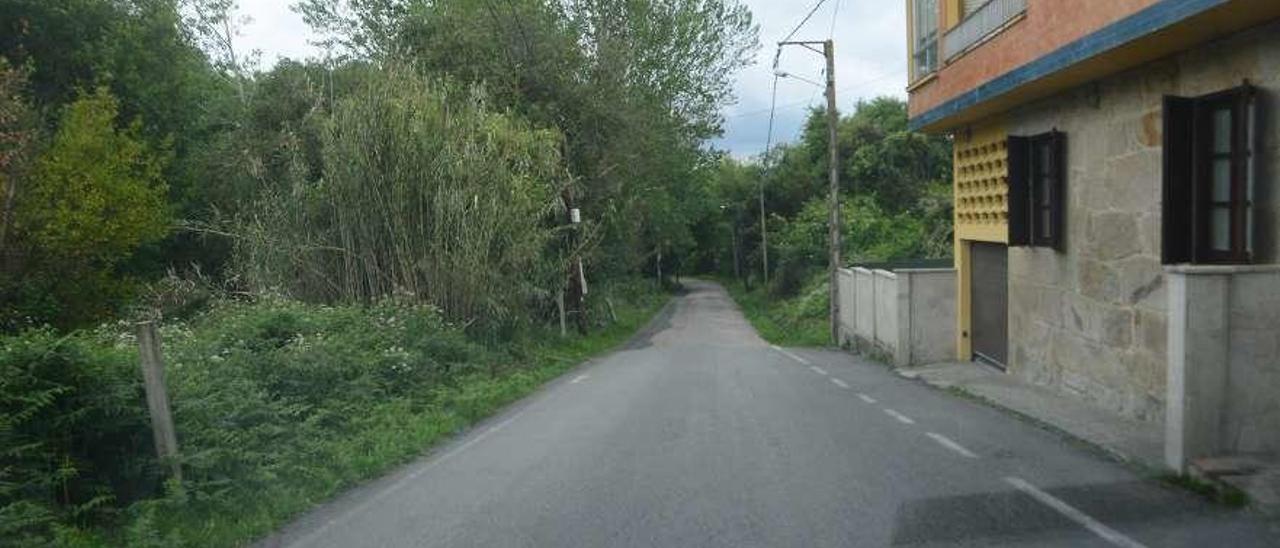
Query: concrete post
(162, 430)
(1199, 357)
(902, 353)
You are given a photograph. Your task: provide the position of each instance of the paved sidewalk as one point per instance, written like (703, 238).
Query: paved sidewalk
(1126, 439)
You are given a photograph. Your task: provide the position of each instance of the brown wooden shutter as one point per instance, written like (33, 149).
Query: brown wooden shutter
(1254, 119)
(1179, 170)
(1019, 149)
(1058, 193)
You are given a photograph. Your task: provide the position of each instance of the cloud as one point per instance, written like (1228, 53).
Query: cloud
(871, 60)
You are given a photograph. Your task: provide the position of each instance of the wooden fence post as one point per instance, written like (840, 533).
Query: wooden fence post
(166, 439)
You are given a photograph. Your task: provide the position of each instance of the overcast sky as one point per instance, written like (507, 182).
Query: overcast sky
(871, 59)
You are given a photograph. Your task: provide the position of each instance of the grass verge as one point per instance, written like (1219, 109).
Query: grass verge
(799, 321)
(279, 406)
(1216, 492)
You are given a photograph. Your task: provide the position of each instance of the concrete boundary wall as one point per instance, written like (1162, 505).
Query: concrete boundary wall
(1224, 336)
(906, 315)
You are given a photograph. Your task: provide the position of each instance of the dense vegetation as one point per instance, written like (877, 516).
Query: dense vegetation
(353, 257)
(279, 405)
(895, 206)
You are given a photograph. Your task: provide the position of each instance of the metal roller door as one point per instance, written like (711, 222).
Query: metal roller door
(990, 298)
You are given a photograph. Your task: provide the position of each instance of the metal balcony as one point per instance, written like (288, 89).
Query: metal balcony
(984, 21)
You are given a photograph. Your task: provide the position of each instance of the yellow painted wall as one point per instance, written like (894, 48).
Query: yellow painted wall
(981, 194)
(952, 13)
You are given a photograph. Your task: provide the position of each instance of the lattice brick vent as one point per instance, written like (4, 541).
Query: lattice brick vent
(982, 183)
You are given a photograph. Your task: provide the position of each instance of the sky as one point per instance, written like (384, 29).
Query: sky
(871, 60)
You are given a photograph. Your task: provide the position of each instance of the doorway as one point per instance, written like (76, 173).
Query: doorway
(989, 287)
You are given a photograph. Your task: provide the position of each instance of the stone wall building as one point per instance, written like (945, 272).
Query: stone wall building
(1117, 214)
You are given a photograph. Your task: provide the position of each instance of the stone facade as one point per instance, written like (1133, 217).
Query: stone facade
(1092, 320)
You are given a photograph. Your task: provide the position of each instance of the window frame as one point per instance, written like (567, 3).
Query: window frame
(926, 43)
(1038, 190)
(1190, 159)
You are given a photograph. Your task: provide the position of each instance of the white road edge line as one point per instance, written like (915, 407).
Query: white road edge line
(818, 370)
(579, 379)
(840, 383)
(866, 398)
(789, 355)
(949, 444)
(311, 537)
(1098, 528)
(901, 418)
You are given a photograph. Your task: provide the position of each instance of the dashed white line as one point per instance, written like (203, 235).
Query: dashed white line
(1098, 528)
(840, 383)
(579, 379)
(789, 354)
(901, 418)
(818, 370)
(866, 398)
(949, 444)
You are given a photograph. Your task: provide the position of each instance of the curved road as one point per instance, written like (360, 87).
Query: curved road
(701, 434)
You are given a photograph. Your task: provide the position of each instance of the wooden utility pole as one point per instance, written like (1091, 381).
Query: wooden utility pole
(833, 123)
(577, 290)
(737, 263)
(764, 233)
(833, 170)
(165, 437)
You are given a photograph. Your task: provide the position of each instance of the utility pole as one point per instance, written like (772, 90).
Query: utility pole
(833, 157)
(577, 274)
(764, 172)
(764, 232)
(833, 122)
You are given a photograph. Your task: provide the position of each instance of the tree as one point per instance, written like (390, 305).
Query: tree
(17, 133)
(92, 199)
(97, 193)
(900, 207)
(634, 87)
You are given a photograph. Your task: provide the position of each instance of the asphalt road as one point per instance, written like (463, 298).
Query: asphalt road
(701, 434)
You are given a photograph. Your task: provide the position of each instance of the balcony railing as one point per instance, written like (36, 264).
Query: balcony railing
(987, 19)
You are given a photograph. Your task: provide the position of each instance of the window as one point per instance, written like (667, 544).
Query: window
(924, 32)
(1210, 177)
(970, 7)
(1037, 190)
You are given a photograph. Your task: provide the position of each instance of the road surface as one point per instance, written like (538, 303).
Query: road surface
(702, 434)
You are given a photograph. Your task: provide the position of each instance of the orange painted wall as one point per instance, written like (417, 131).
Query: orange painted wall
(1049, 25)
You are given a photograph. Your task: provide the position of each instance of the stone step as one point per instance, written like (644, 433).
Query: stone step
(1235, 465)
(1258, 477)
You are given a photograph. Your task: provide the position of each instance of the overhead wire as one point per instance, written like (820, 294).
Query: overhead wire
(835, 15)
(805, 20)
(804, 103)
(773, 104)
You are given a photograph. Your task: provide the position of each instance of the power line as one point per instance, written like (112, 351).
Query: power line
(805, 20)
(835, 15)
(772, 111)
(810, 101)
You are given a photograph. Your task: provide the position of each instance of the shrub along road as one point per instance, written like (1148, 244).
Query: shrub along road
(701, 434)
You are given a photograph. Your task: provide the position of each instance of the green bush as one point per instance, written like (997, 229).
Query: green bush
(277, 405)
(258, 392)
(94, 196)
(426, 190)
(75, 438)
(797, 321)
